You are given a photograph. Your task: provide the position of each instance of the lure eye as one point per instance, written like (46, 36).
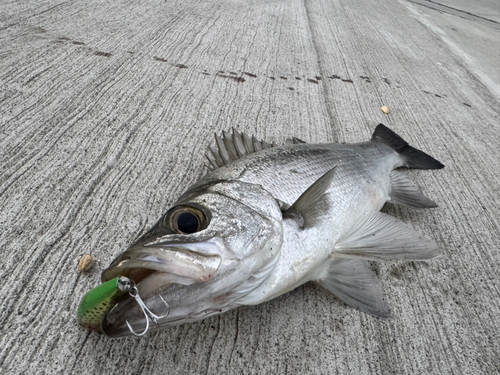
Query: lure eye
(186, 220)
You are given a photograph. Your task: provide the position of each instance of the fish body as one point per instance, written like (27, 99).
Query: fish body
(361, 185)
(268, 219)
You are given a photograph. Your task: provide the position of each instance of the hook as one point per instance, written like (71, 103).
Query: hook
(134, 293)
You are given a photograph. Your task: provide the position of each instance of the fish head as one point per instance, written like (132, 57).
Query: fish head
(217, 244)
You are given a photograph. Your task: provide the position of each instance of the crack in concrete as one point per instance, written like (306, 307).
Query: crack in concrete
(455, 12)
(321, 74)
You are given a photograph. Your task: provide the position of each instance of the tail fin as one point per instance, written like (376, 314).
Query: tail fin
(413, 158)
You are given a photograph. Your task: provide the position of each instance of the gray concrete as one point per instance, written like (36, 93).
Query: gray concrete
(106, 109)
(471, 30)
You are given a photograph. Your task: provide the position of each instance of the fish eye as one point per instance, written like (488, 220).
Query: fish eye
(186, 220)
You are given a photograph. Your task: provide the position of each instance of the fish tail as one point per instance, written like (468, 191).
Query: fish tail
(413, 158)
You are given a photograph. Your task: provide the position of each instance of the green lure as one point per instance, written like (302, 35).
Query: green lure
(95, 303)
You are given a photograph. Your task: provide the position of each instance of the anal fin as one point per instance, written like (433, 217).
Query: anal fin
(377, 236)
(404, 191)
(353, 282)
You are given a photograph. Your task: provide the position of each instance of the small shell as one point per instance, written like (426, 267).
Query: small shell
(85, 263)
(385, 109)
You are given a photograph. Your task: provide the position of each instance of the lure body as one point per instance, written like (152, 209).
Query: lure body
(95, 303)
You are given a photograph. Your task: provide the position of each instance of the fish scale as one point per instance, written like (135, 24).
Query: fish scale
(272, 167)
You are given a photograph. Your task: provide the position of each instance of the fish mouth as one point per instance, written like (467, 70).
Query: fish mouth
(170, 262)
(154, 268)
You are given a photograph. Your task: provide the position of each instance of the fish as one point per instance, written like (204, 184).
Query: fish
(268, 218)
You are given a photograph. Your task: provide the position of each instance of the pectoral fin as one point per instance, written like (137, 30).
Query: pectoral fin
(312, 205)
(353, 282)
(378, 236)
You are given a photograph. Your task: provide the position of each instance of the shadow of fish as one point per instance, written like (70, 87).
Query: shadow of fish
(269, 218)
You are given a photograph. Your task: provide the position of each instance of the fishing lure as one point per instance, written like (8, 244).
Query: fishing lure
(99, 300)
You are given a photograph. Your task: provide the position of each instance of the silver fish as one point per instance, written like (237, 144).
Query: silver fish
(269, 218)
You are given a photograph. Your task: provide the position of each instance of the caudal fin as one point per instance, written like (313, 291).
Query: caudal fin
(413, 158)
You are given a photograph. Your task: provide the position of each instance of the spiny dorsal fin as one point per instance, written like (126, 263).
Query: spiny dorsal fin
(233, 146)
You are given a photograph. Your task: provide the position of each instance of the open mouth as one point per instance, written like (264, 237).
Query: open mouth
(169, 263)
(150, 269)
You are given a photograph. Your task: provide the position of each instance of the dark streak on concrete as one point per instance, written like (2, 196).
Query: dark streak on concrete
(456, 12)
(237, 79)
(104, 54)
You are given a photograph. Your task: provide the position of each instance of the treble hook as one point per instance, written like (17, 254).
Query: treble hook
(132, 290)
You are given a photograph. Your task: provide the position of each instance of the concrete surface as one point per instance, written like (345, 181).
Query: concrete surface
(105, 112)
(471, 30)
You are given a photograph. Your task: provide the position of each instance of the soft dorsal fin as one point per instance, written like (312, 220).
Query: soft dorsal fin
(233, 146)
(297, 141)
